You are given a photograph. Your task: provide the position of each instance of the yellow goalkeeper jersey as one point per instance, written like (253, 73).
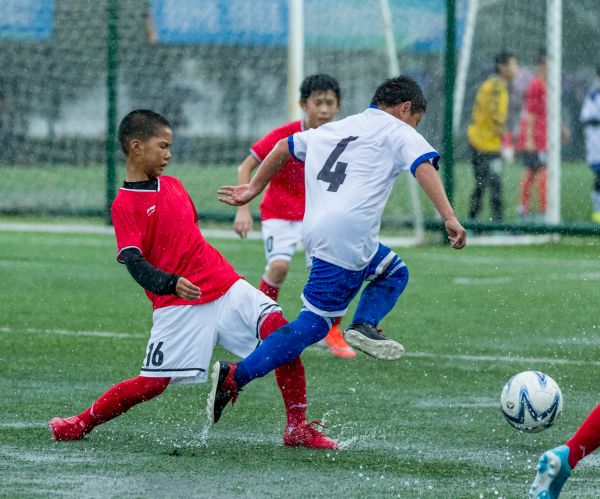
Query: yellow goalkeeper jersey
(489, 115)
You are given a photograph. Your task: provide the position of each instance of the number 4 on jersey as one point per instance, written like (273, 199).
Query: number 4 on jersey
(336, 177)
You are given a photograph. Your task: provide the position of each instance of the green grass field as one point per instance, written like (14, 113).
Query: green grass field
(73, 322)
(73, 189)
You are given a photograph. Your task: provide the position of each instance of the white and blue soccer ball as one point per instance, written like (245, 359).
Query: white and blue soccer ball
(531, 401)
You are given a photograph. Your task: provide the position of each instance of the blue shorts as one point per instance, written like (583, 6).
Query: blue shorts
(596, 168)
(330, 288)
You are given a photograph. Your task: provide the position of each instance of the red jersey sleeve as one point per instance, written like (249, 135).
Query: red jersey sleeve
(127, 229)
(262, 147)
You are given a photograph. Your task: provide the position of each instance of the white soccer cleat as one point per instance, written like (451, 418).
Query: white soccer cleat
(368, 339)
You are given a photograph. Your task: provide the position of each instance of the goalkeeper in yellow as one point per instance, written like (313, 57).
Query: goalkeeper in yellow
(485, 135)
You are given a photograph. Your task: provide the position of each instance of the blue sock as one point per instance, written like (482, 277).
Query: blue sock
(281, 347)
(381, 294)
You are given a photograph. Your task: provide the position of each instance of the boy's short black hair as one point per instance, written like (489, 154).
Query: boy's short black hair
(140, 124)
(394, 91)
(319, 83)
(502, 58)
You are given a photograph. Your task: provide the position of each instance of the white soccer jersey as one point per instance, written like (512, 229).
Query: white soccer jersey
(590, 114)
(350, 169)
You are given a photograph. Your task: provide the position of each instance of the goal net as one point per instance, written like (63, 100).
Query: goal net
(218, 69)
(560, 31)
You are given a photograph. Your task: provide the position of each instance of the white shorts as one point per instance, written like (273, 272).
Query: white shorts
(183, 337)
(281, 238)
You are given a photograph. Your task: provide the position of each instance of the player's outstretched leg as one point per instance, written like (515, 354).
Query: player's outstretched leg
(552, 472)
(115, 401)
(291, 380)
(282, 346)
(376, 301)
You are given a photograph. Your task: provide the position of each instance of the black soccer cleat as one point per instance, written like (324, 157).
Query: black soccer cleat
(224, 389)
(370, 340)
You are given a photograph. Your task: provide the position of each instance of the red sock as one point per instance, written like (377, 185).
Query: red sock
(526, 185)
(122, 397)
(290, 377)
(586, 439)
(270, 289)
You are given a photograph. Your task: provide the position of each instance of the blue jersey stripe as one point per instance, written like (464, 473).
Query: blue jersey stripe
(434, 156)
(291, 147)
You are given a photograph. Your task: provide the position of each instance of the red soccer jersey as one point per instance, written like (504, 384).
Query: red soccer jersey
(284, 198)
(162, 224)
(532, 129)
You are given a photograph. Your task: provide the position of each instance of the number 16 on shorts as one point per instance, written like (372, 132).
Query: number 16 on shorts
(155, 355)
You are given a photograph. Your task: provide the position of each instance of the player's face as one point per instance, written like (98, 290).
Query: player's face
(320, 108)
(155, 152)
(510, 69)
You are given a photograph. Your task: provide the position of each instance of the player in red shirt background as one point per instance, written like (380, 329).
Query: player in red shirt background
(198, 299)
(282, 207)
(532, 140)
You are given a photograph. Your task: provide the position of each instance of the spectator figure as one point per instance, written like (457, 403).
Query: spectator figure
(485, 135)
(590, 117)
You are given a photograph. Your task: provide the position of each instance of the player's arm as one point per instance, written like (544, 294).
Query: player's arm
(155, 280)
(243, 194)
(431, 183)
(243, 218)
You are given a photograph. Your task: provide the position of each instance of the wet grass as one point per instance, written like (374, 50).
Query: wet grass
(426, 426)
(73, 189)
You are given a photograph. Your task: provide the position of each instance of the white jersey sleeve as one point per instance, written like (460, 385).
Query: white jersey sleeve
(413, 150)
(297, 144)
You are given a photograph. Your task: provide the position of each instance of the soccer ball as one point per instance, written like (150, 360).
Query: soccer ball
(531, 401)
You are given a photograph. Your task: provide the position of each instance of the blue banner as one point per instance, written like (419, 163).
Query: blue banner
(26, 19)
(419, 25)
(220, 22)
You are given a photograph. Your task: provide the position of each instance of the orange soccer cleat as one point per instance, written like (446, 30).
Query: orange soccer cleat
(337, 345)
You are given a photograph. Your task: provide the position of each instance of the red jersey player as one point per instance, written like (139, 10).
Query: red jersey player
(532, 140)
(282, 207)
(198, 299)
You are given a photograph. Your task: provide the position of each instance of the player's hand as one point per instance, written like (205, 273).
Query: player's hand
(456, 233)
(236, 195)
(186, 290)
(242, 223)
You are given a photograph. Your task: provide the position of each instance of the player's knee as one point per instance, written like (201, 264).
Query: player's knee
(270, 323)
(397, 273)
(278, 270)
(314, 326)
(152, 387)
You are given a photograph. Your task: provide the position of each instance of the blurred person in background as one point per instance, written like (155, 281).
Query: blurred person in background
(485, 132)
(590, 117)
(532, 141)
